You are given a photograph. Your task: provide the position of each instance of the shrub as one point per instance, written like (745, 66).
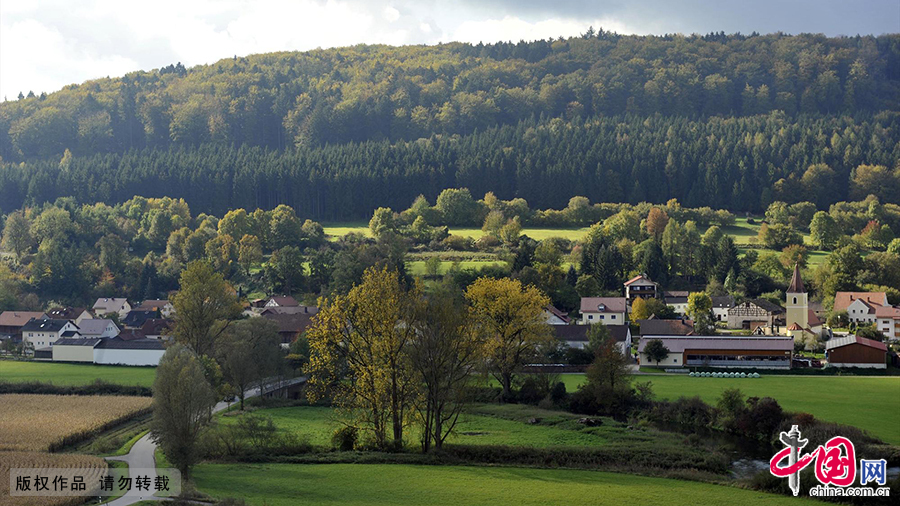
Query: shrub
(345, 439)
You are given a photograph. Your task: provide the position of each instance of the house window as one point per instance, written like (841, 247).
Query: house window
(590, 317)
(795, 300)
(613, 317)
(602, 317)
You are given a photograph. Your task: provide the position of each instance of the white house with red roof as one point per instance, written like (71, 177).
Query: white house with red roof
(860, 306)
(887, 321)
(640, 286)
(862, 311)
(555, 316)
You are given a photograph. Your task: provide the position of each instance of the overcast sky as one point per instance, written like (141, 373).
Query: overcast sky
(47, 44)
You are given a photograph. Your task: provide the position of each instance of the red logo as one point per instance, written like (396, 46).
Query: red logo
(835, 460)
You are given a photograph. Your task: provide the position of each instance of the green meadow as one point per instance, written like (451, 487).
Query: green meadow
(12, 371)
(867, 402)
(392, 484)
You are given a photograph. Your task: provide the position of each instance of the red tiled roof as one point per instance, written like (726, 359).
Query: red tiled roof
(887, 312)
(19, 318)
(632, 280)
(842, 300)
(559, 314)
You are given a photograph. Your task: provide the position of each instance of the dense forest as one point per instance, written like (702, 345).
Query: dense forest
(728, 121)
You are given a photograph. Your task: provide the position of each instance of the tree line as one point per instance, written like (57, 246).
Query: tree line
(739, 164)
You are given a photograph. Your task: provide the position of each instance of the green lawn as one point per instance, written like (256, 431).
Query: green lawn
(74, 374)
(417, 267)
(371, 484)
(335, 230)
(870, 403)
(482, 424)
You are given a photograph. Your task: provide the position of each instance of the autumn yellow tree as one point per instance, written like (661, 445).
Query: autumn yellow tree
(444, 353)
(367, 334)
(205, 305)
(657, 219)
(507, 316)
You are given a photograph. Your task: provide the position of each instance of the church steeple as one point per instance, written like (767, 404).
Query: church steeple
(796, 285)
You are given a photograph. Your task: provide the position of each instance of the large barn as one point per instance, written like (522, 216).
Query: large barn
(769, 352)
(855, 351)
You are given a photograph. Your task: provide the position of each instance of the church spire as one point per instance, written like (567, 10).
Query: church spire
(796, 285)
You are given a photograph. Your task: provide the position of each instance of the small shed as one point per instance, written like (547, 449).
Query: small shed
(855, 351)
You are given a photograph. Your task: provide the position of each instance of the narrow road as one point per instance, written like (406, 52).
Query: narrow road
(142, 456)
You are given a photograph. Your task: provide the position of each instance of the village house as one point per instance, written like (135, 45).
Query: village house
(753, 314)
(860, 306)
(136, 317)
(887, 320)
(105, 306)
(282, 301)
(720, 306)
(862, 311)
(75, 314)
(605, 310)
(11, 322)
(576, 336)
(97, 327)
(46, 331)
(554, 316)
(156, 328)
(290, 326)
(771, 352)
(677, 300)
(855, 351)
(162, 306)
(640, 286)
(661, 327)
(307, 310)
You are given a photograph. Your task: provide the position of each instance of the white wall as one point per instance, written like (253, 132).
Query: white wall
(127, 357)
(608, 318)
(673, 360)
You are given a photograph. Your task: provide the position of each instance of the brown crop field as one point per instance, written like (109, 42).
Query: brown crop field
(31, 422)
(13, 460)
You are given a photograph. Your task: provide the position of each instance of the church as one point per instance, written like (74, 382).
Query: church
(800, 322)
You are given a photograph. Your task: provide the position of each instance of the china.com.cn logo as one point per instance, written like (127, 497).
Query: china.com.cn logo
(835, 464)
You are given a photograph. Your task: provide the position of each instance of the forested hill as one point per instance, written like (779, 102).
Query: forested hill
(714, 120)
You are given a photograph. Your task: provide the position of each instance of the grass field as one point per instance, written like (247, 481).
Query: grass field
(349, 484)
(37, 422)
(417, 267)
(870, 403)
(335, 230)
(74, 374)
(482, 424)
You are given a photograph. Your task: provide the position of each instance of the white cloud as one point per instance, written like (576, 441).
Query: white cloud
(391, 14)
(34, 57)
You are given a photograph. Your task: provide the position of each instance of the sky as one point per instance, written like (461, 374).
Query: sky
(47, 44)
